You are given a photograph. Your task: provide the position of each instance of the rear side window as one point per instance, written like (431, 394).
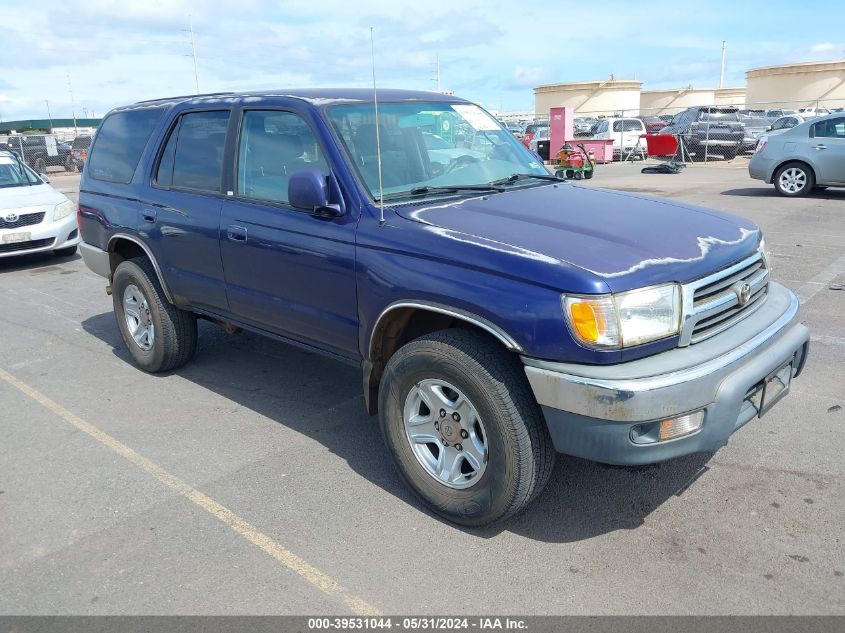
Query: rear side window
(120, 142)
(193, 154)
(832, 128)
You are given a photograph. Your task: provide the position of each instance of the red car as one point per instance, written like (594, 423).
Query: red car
(653, 124)
(530, 130)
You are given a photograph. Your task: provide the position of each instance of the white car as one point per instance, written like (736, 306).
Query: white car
(34, 217)
(811, 112)
(625, 134)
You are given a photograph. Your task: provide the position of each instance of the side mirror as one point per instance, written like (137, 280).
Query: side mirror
(308, 190)
(44, 178)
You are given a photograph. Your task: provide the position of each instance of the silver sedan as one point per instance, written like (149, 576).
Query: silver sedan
(810, 155)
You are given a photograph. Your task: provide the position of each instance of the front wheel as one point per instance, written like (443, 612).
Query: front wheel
(463, 426)
(794, 180)
(159, 336)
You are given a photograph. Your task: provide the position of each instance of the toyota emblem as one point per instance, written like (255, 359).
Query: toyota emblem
(11, 217)
(743, 293)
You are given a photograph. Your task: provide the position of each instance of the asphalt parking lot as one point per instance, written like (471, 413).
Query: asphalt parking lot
(252, 481)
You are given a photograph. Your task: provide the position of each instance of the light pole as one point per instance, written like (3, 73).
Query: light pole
(72, 106)
(49, 116)
(722, 72)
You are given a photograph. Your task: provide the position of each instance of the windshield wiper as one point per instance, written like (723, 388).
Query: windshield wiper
(24, 174)
(514, 177)
(428, 189)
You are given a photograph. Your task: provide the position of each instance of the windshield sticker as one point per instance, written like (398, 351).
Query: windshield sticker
(476, 117)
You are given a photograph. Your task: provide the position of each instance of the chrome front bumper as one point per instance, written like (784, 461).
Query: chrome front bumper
(591, 411)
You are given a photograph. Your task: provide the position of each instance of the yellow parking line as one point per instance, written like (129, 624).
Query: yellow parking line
(321, 581)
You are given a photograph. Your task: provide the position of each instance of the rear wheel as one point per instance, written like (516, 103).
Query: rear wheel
(464, 428)
(40, 166)
(794, 180)
(159, 336)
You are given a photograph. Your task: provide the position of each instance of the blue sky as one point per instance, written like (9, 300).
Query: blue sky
(115, 52)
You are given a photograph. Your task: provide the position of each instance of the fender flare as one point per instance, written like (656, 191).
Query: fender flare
(125, 236)
(488, 326)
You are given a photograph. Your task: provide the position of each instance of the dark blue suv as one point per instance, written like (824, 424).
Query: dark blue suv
(499, 315)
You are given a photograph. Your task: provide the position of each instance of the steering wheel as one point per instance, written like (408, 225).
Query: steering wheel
(460, 161)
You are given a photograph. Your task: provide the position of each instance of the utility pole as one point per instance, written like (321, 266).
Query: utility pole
(49, 116)
(72, 105)
(722, 72)
(437, 63)
(194, 52)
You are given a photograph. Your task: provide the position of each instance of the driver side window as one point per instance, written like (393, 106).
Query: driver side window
(273, 145)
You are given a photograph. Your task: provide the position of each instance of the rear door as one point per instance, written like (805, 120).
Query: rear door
(180, 212)
(288, 271)
(828, 150)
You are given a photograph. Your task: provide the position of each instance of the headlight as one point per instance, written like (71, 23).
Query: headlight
(624, 319)
(767, 260)
(63, 210)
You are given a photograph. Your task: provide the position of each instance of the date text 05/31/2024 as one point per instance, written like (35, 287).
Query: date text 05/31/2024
(416, 623)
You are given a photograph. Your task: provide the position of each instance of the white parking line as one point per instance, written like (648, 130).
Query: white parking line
(312, 575)
(809, 289)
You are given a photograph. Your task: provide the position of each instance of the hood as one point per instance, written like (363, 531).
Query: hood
(35, 196)
(626, 240)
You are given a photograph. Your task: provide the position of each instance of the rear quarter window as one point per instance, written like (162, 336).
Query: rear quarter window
(120, 143)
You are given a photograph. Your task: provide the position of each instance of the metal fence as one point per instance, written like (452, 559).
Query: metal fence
(48, 152)
(705, 133)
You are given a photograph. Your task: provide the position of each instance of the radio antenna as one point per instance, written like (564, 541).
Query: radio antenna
(378, 136)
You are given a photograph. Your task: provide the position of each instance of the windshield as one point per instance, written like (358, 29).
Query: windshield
(628, 125)
(13, 174)
(429, 145)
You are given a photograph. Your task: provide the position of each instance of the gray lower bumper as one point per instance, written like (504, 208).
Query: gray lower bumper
(96, 259)
(592, 410)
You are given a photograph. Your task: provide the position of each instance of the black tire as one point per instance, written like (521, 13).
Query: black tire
(67, 251)
(588, 174)
(809, 179)
(175, 331)
(520, 451)
(70, 164)
(40, 166)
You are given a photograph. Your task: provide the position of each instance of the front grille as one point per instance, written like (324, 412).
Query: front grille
(712, 304)
(25, 246)
(27, 219)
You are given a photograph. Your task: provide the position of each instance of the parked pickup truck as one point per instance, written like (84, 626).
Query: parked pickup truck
(709, 131)
(498, 315)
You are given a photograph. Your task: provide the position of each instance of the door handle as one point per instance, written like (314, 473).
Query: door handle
(821, 147)
(149, 215)
(236, 233)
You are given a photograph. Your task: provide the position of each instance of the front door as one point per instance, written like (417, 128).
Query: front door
(288, 271)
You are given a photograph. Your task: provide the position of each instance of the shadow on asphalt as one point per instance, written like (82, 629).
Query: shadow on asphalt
(769, 192)
(322, 399)
(37, 262)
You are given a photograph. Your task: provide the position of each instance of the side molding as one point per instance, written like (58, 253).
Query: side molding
(145, 248)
